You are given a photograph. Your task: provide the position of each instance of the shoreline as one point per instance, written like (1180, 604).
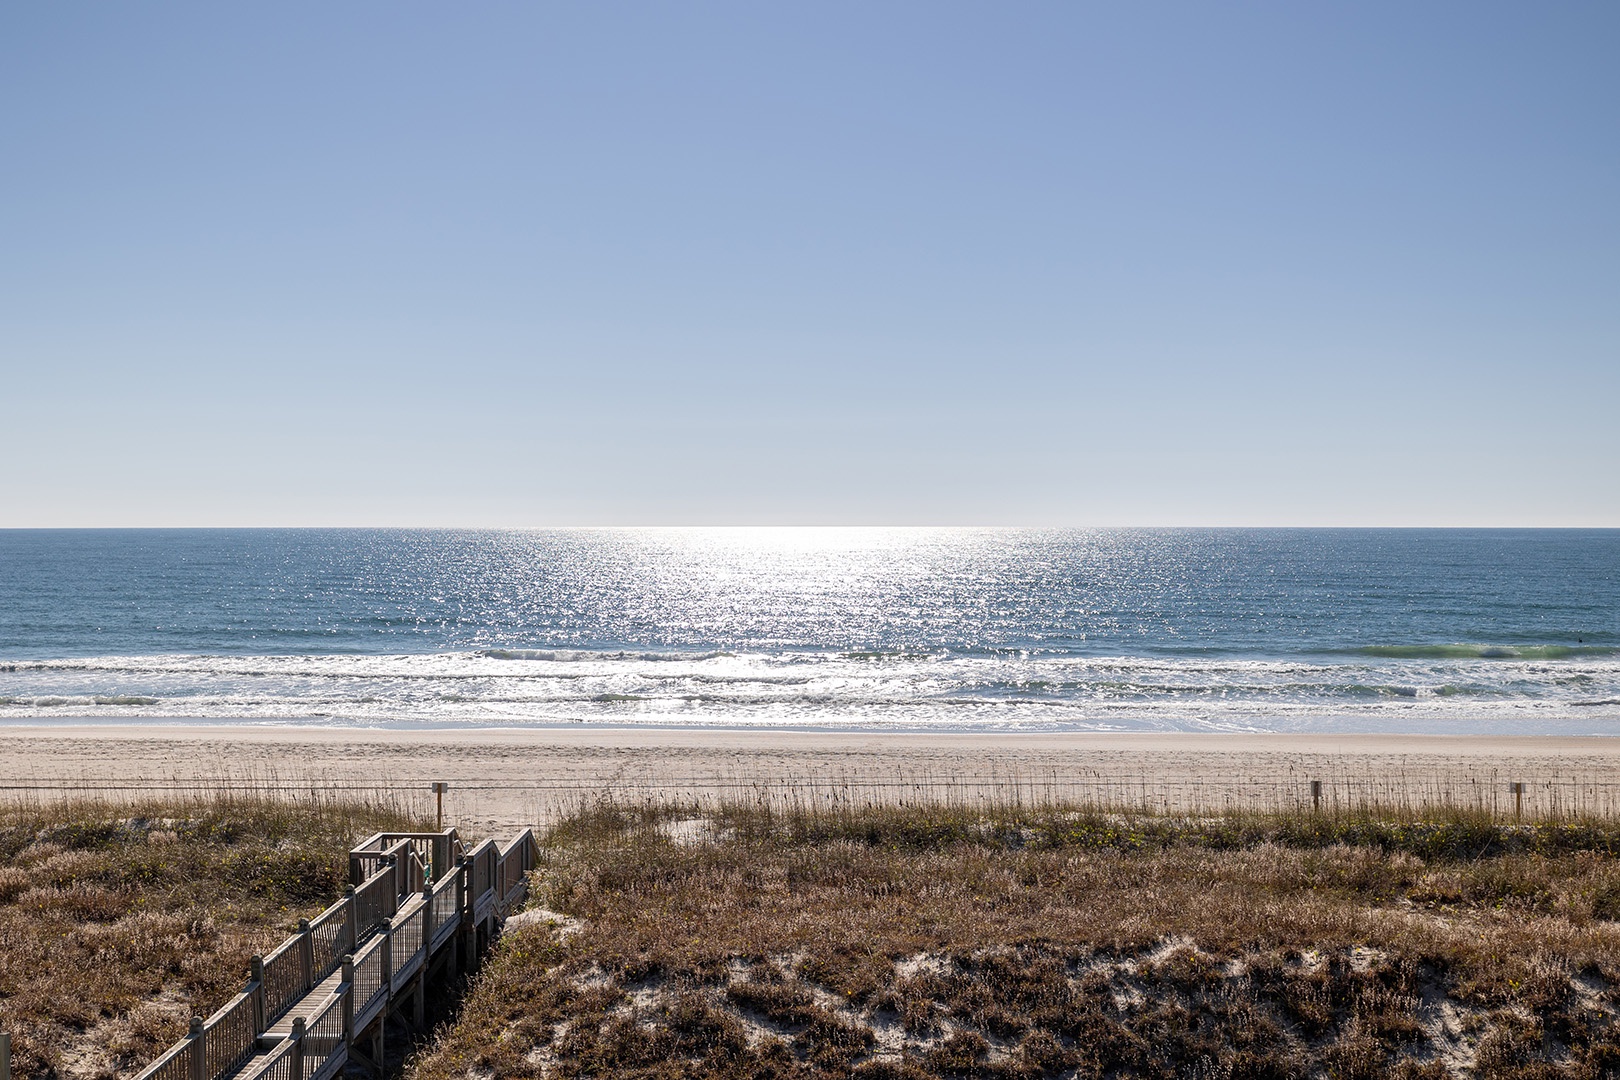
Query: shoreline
(501, 778)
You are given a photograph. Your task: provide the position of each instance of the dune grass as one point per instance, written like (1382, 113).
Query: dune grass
(118, 921)
(741, 940)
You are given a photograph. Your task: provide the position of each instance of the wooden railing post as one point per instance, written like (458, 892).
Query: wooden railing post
(298, 1046)
(350, 917)
(306, 953)
(256, 988)
(5, 1056)
(461, 889)
(199, 1056)
(464, 900)
(427, 918)
(441, 854)
(348, 1001)
(387, 932)
(419, 998)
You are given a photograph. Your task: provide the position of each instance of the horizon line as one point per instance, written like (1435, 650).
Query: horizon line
(735, 526)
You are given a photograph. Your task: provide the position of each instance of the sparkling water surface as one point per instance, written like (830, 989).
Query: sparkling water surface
(1333, 630)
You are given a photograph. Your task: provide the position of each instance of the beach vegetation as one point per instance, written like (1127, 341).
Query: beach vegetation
(119, 921)
(1016, 941)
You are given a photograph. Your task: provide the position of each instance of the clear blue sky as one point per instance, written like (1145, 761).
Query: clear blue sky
(762, 263)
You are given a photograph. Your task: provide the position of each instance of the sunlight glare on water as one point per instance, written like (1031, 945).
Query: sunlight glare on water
(931, 628)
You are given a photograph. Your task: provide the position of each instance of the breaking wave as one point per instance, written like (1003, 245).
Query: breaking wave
(1486, 652)
(934, 690)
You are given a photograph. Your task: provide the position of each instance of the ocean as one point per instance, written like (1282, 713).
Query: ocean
(1325, 630)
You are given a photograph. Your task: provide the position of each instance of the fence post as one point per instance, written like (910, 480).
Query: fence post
(256, 989)
(1316, 796)
(306, 953)
(348, 1001)
(464, 904)
(419, 981)
(393, 888)
(387, 932)
(1518, 800)
(359, 860)
(199, 1058)
(441, 853)
(5, 1056)
(427, 921)
(298, 1046)
(461, 888)
(351, 917)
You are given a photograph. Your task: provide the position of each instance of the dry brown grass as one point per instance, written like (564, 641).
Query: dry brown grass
(117, 922)
(910, 943)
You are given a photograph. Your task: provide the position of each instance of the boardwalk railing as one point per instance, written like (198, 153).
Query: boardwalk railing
(417, 906)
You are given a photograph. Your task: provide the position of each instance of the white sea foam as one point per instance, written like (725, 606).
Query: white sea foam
(940, 690)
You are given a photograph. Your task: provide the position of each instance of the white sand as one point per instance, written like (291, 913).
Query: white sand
(505, 778)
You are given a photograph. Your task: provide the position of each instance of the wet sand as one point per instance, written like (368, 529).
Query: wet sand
(504, 778)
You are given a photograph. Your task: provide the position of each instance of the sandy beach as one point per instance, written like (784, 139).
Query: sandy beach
(504, 778)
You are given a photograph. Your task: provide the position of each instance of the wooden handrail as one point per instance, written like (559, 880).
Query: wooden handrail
(438, 852)
(365, 935)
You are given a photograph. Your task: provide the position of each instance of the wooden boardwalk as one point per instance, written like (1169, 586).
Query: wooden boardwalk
(418, 908)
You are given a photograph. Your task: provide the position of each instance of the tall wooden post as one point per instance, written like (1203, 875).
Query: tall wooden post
(419, 999)
(419, 1015)
(306, 953)
(256, 988)
(386, 929)
(351, 918)
(439, 788)
(1518, 799)
(5, 1056)
(348, 1001)
(469, 929)
(199, 1056)
(444, 853)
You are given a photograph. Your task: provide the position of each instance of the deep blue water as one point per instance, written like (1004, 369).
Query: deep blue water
(1422, 630)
